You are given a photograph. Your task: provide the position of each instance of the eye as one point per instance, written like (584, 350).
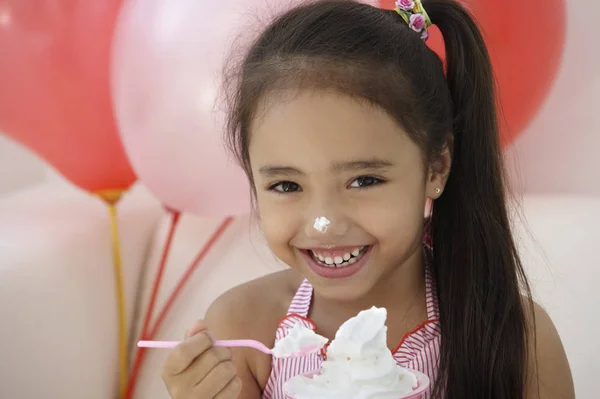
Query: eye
(365, 182)
(285, 187)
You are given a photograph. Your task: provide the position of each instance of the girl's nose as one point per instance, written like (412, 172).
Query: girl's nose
(326, 226)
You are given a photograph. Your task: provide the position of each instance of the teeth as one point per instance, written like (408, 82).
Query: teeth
(322, 256)
(339, 261)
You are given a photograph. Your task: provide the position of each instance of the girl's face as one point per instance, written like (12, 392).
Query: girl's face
(341, 190)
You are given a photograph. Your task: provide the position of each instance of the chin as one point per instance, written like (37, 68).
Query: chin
(349, 292)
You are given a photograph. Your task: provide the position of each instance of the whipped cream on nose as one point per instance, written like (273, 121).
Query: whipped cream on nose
(321, 224)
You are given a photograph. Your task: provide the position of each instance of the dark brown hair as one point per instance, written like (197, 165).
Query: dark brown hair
(372, 55)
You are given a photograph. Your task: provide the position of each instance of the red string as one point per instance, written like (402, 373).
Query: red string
(213, 239)
(175, 217)
(149, 336)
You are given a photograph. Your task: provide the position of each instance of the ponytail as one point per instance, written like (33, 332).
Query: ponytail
(476, 264)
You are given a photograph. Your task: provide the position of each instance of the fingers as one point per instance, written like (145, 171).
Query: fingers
(186, 352)
(210, 360)
(197, 327)
(232, 390)
(218, 380)
(197, 368)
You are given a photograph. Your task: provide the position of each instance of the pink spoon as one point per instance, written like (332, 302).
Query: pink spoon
(249, 343)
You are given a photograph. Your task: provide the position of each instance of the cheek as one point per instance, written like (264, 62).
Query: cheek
(397, 220)
(279, 228)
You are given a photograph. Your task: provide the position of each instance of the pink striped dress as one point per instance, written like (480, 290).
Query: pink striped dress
(418, 350)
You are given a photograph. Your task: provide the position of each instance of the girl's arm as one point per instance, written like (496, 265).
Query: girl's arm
(226, 320)
(549, 374)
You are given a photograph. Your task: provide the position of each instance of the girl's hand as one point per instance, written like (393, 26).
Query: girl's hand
(197, 369)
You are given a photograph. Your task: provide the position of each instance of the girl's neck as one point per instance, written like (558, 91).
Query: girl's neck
(402, 292)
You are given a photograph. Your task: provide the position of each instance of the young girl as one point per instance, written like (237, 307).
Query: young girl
(347, 125)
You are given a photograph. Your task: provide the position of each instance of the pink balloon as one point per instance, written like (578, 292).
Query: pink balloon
(167, 60)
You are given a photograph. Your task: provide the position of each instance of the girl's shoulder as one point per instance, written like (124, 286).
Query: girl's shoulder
(259, 298)
(252, 310)
(548, 371)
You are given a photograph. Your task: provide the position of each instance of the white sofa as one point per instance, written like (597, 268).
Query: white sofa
(58, 334)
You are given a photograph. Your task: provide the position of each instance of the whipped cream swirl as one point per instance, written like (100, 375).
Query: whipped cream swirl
(359, 365)
(299, 339)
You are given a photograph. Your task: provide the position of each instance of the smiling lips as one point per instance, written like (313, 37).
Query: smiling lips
(337, 257)
(337, 262)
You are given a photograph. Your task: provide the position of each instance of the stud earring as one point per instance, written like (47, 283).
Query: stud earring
(438, 190)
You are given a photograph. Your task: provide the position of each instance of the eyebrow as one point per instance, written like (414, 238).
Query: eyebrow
(372, 164)
(273, 171)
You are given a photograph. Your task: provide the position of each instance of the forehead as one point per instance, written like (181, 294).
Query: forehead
(317, 126)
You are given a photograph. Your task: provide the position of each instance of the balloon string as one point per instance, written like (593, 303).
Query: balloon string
(120, 291)
(175, 217)
(193, 266)
(140, 354)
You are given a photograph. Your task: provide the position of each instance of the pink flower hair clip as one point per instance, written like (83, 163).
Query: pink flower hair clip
(415, 16)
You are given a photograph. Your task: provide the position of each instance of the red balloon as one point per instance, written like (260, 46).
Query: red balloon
(54, 87)
(525, 40)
